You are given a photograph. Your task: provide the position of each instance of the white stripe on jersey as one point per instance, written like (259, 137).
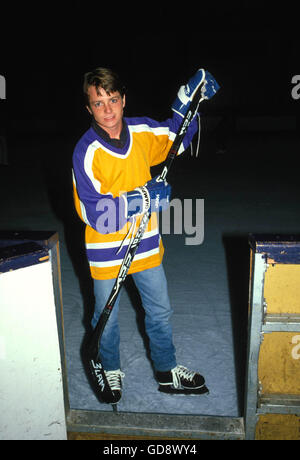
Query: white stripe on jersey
(82, 207)
(116, 244)
(111, 263)
(159, 131)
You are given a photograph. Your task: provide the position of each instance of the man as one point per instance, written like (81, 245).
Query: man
(112, 189)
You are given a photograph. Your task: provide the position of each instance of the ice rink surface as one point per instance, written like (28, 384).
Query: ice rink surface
(251, 188)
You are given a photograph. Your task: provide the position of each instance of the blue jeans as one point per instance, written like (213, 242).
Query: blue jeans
(152, 286)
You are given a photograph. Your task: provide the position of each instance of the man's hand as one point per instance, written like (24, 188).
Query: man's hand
(154, 195)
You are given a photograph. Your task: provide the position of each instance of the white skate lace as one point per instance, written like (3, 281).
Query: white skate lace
(181, 371)
(114, 379)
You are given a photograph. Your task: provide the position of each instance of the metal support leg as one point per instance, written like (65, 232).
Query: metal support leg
(256, 306)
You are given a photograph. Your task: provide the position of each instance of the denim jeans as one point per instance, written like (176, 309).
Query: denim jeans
(152, 286)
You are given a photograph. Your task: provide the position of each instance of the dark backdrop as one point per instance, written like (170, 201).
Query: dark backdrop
(250, 46)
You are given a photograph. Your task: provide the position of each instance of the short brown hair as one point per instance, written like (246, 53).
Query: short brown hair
(102, 78)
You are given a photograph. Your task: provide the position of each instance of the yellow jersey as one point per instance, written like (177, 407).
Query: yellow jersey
(102, 172)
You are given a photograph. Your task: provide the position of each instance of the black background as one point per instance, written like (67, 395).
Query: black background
(251, 47)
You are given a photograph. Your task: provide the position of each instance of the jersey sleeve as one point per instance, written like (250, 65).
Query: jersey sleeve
(103, 212)
(165, 133)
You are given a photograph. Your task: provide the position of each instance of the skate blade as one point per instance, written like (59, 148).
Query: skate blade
(183, 391)
(114, 408)
(112, 398)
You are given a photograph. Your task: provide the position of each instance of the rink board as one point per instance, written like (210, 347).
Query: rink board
(274, 311)
(32, 384)
(278, 427)
(279, 364)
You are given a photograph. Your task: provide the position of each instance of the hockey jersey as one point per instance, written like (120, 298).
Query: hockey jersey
(102, 173)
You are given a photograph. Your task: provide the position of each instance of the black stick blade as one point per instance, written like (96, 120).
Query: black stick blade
(99, 382)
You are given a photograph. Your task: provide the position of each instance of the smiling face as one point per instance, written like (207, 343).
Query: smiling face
(107, 110)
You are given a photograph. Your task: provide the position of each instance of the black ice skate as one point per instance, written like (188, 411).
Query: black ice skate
(114, 379)
(181, 380)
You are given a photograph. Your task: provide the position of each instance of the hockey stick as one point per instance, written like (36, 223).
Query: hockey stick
(95, 368)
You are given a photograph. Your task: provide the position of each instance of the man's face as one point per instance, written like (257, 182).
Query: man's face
(107, 110)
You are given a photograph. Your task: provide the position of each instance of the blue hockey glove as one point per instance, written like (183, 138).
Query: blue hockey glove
(153, 196)
(186, 93)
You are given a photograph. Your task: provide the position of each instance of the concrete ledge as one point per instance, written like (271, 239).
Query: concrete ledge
(158, 425)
